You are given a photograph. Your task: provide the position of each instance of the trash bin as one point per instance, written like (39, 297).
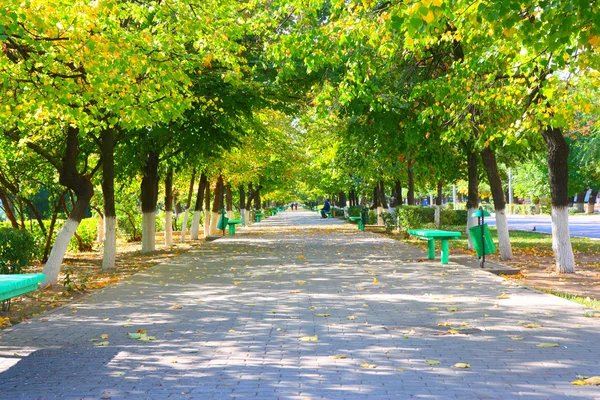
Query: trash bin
(222, 224)
(481, 236)
(364, 218)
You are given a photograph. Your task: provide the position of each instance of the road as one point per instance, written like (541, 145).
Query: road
(580, 225)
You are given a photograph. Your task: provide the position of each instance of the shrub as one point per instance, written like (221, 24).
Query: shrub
(372, 217)
(449, 205)
(87, 231)
(390, 220)
(354, 211)
(414, 217)
(453, 217)
(17, 248)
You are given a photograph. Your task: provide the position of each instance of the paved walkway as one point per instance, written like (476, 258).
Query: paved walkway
(228, 318)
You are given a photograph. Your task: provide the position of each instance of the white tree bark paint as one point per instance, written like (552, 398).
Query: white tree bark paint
(148, 232)
(590, 208)
(470, 222)
(186, 215)
(561, 240)
(59, 249)
(214, 220)
(195, 226)
(229, 214)
(169, 228)
(243, 217)
(503, 235)
(436, 217)
(100, 236)
(110, 243)
(206, 223)
(379, 217)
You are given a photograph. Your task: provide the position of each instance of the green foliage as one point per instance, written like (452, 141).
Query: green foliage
(390, 220)
(452, 217)
(16, 250)
(87, 231)
(521, 209)
(70, 284)
(130, 226)
(354, 211)
(372, 217)
(414, 217)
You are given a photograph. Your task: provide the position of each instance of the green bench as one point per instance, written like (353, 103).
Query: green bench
(231, 225)
(328, 213)
(431, 236)
(258, 216)
(361, 226)
(12, 285)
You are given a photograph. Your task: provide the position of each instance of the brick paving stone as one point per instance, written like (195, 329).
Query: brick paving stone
(242, 303)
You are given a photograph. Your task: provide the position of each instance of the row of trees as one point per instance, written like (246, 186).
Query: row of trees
(289, 97)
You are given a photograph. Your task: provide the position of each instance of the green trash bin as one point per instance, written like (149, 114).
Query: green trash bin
(477, 238)
(222, 224)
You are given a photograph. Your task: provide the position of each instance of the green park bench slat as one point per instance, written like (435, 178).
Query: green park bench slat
(431, 235)
(258, 216)
(231, 225)
(12, 285)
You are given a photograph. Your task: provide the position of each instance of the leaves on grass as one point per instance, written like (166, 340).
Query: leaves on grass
(314, 338)
(547, 345)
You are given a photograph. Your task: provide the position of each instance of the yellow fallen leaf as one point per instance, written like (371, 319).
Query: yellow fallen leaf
(433, 308)
(231, 331)
(296, 291)
(452, 309)
(533, 326)
(516, 338)
(176, 307)
(400, 369)
(547, 345)
(236, 283)
(351, 317)
(301, 282)
(432, 362)
(322, 315)
(104, 336)
(367, 365)
(502, 296)
(313, 338)
(462, 365)
(593, 380)
(375, 280)
(339, 357)
(101, 344)
(579, 382)
(301, 257)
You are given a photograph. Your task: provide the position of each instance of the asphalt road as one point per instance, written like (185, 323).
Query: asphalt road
(580, 225)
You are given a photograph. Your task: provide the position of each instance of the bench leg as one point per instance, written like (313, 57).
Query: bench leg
(430, 249)
(361, 227)
(445, 253)
(232, 229)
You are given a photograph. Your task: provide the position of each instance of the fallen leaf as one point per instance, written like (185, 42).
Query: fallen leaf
(547, 345)
(313, 338)
(231, 331)
(516, 338)
(301, 282)
(351, 317)
(301, 257)
(432, 362)
(322, 315)
(176, 307)
(502, 296)
(104, 336)
(339, 357)
(452, 309)
(593, 380)
(375, 280)
(533, 326)
(400, 369)
(101, 344)
(367, 365)
(462, 365)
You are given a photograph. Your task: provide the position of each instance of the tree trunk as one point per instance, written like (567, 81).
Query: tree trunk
(217, 205)
(473, 192)
(107, 148)
(257, 198)
(229, 201)
(592, 201)
(438, 204)
(7, 206)
(491, 167)
(188, 204)
(149, 188)
(207, 210)
(581, 201)
(169, 208)
(558, 170)
(410, 196)
(202, 188)
(398, 186)
(83, 188)
(243, 206)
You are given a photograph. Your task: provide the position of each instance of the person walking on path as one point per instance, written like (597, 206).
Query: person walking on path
(326, 208)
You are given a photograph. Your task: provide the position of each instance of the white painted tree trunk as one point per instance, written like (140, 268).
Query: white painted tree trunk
(470, 222)
(214, 220)
(561, 240)
(186, 215)
(52, 267)
(580, 206)
(229, 214)
(110, 243)
(169, 228)
(590, 208)
(503, 235)
(243, 217)
(206, 223)
(195, 225)
(436, 217)
(100, 236)
(379, 217)
(148, 232)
